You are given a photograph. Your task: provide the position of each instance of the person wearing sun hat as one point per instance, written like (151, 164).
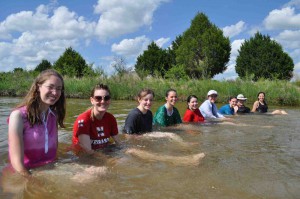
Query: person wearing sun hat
(241, 108)
(208, 108)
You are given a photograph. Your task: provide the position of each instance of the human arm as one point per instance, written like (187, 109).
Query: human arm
(255, 105)
(16, 144)
(188, 116)
(235, 108)
(160, 116)
(206, 110)
(130, 126)
(84, 141)
(117, 139)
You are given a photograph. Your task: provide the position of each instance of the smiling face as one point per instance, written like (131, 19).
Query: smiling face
(261, 97)
(171, 98)
(145, 103)
(212, 98)
(232, 102)
(193, 104)
(100, 101)
(240, 103)
(50, 91)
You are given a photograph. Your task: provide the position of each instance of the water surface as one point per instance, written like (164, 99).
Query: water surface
(252, 156)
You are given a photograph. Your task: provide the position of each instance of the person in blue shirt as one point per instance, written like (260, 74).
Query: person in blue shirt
(230, 108)
(208, 108)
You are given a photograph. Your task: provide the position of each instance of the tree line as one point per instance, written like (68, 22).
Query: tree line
(200, 52)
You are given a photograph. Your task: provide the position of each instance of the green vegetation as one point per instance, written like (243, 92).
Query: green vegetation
(278, 92)
(262, 57)
(203, 50)
(71, 63)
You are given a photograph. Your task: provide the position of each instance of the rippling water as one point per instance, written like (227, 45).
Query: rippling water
(251, 156)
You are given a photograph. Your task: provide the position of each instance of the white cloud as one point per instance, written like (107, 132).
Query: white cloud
(286, 18)
(233, 30)
(293, 3)
(289, 39)
(131, 47)
(230, 73)
(28, 37)
(134, 47)
(120, 17)
(162, 41)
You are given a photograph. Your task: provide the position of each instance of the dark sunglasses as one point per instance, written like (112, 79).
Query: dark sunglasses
(99, 98)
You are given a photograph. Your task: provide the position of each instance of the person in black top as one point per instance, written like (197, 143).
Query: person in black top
(139, 120)
(241, 108)
(261, 106)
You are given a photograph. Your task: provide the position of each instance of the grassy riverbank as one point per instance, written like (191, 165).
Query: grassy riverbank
(126, 87)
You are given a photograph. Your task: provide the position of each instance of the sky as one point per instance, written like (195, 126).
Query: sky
(103, 30)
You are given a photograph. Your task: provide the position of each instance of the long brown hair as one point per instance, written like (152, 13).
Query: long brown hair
(32, 100)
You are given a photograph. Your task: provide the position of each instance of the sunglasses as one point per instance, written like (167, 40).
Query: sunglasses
(100, 98)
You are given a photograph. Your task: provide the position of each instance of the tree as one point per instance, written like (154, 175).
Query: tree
(120, 66)
(262, 57)
(17, 70)
(71, 63)
(172, 51)
(44, 65)
(203, 51)
(153, 61)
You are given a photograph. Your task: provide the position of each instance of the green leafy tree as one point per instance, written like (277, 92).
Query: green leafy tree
(17, 70)
(262, 57)
(154, 61)
(44, 65)
(177, 72)
(203, 49)
(172, 51)
(71, 63)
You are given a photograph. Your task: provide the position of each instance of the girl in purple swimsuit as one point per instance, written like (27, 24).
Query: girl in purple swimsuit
(33, 125)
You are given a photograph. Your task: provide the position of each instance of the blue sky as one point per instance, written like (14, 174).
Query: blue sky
(102, 30)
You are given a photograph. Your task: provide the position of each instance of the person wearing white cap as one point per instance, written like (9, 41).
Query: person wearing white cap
(240, 104)
(208, 108)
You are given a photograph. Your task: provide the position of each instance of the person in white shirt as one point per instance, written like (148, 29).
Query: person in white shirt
(208, 108)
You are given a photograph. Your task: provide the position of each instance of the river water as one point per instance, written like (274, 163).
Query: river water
(250, 156)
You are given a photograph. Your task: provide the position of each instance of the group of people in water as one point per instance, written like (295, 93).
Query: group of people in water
(33, 125)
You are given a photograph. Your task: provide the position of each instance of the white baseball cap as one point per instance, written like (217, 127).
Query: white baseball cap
(212, 92)
(241, 97)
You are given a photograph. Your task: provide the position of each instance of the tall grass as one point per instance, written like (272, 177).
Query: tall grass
(127, 86)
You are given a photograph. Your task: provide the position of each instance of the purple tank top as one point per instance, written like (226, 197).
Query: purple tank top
(40, 141)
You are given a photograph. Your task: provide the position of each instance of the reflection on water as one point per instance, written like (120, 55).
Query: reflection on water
(252, 156)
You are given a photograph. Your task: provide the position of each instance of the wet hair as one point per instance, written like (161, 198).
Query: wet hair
(32, 100)
(230, 98)
(145, 91)
(189, 99)
(99, 87)
(170, 90)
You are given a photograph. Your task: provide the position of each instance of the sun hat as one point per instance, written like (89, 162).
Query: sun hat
(212, 92)
(241, 97)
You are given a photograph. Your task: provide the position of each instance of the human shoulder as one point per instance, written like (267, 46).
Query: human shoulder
(109, 116)
(86, 115)
(135, 111)
(15, 114)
